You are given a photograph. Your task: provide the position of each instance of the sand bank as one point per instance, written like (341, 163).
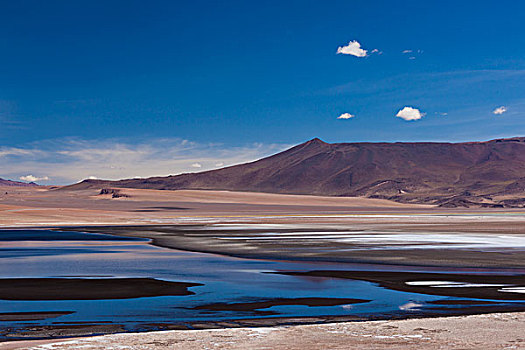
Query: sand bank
(89, 289)
(352, 240)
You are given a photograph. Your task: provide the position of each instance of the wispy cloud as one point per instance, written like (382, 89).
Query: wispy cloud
(70, 160)
(7, 112)
(410, 113)
(500, 110)
(454, 87)
(412, 53)
(346, 116)
(353, 48)
(17, 152)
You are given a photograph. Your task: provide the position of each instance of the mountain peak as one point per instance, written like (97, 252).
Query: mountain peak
(421, 172)
(315, 141)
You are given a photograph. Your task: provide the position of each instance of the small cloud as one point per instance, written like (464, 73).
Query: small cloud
(92, 178)
(412, 53)
(500, 110)
(444, 114)
(353, 48)
(346, 116)
(376, 51)
(410, 113)
(196, 165)
(31, 178)
(219, 164)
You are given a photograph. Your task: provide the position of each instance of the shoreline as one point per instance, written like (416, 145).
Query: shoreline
(308, 243)
(394, 281)
(487, 331)
(73, 330)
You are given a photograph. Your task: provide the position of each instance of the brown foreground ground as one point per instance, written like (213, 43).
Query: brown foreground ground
(42, 207)
(49, 207)
(492, 331)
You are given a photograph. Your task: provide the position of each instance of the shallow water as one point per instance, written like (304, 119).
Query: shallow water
(51, 254)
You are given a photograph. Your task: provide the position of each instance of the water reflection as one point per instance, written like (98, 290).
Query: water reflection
(51, 254)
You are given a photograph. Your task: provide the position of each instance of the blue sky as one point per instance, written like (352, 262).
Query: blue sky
(133, 88)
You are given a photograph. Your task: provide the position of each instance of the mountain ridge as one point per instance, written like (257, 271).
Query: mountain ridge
(11, 183)
(488, 173)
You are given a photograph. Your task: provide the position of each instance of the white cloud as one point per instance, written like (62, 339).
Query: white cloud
(91, 177)
(500, 110)
(66, 161)
(410, 113)
(413, 54)
(196, 165)
(412, 51)
(346, 116)
(219, 164)
(353, 48)
(31, 178)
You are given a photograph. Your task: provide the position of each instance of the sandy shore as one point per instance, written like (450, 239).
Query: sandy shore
(492, 331)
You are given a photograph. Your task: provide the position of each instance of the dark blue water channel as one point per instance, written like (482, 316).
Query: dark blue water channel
(52, 254)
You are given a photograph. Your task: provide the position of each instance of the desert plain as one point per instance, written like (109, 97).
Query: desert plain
(305, 228)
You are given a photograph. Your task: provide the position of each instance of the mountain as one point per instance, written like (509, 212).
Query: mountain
(490, 173)
(11, 183)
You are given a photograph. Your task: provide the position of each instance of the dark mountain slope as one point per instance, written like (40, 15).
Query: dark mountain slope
(448, 174)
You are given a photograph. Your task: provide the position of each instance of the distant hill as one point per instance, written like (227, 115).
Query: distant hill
(11, 183)
(490, 173)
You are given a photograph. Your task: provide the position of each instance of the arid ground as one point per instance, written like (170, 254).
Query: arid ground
(42, 206)
(152, 210)
(492, 331)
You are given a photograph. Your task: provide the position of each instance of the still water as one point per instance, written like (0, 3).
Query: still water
(52, 254)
